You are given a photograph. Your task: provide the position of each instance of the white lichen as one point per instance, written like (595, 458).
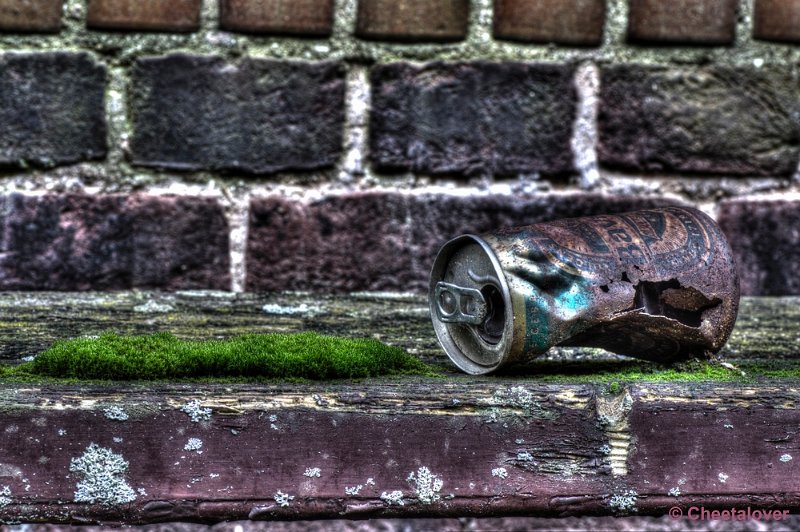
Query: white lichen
(312, 472)
(426, 485)
(370, 481)
(785, 458)
(605, 449)
(195, 412)
(62, 432)
(519, 396)
(115, 413)
(500, 472)
(280, 310)
(352, 490)
(283, 499)
(624, 502)
(728, 426)
(722, 477)
(117, 439)
(5, 496)
(674, 492)
(153, 307)
(103, 473)
(395, 497)
(142, 492)
(524, 456)
(194, 444)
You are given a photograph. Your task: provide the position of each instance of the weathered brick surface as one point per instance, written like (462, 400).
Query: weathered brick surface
(683, 21)
(472, 118)
(765, 238)
(110, 242)
(387, 241)
(256, 116)
(30, 15)
(292, 17)
(777, 20)
(51, 109)
(413, 20)
(713, 120)
(577, 22)
(144, 15)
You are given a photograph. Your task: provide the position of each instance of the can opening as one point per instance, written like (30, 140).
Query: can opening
(491, 329)
(470, 305)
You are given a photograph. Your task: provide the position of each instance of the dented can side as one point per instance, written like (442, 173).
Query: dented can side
(657, 284)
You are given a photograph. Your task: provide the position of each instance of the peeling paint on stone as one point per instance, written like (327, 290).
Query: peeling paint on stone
(612, 415)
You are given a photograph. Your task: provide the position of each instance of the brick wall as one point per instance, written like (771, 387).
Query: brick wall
(334, 145)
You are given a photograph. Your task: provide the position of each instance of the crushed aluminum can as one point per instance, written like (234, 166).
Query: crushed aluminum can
(657, 284)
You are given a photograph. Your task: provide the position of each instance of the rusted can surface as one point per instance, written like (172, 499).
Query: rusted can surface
(657, 284)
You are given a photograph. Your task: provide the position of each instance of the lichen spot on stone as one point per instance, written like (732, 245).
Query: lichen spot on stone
(103, 477)
(624, 502)
(5, 496)
(195, 412)
(500, 472)
(194, 444)
(426, 485)
(394, 497)
(786, 458)
(115, 413)
(283, 499)
(722, 477)
(312, 472)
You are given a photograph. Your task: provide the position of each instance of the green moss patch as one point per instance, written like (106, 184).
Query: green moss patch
(610, 372)
(162, 356)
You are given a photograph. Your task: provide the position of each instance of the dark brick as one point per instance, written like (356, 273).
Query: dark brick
(413, 20)
(777, 20)
(380, 241)
(472, 118)
(144, 15)
(113, 242)
(765, 240)
(708, 22)
(291, 17)
(51, 109)
(576, 22)
(256, 116)
(714, 120)
(30, 15)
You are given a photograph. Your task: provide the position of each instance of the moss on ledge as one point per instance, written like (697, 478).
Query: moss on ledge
(162, 356)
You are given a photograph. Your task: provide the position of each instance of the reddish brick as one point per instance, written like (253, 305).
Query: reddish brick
(710, 22)
(253, 115)
(51, 109)
(413, 20)
(765, 240)
(30, 15)
(472, 118)
(113, 242)
(702, 120)
(145, 15)
(577, 22)
(777, 20)
(291, 17)
(378, 241)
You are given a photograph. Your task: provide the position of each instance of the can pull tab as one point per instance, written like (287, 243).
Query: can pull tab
(457, 304)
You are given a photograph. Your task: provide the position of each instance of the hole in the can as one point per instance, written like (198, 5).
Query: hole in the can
(447, 303)
(491, 330)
